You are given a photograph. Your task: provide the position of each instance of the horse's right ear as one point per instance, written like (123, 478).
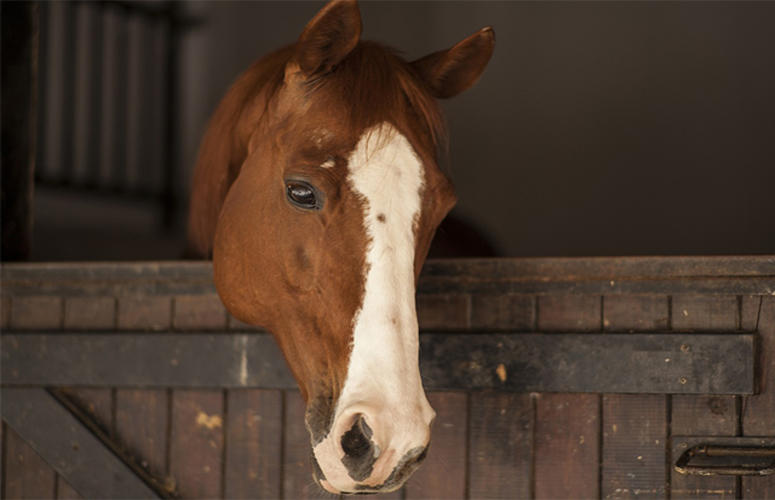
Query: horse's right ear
(328, 37)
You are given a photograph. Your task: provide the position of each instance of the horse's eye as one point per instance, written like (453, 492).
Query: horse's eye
(302, 195)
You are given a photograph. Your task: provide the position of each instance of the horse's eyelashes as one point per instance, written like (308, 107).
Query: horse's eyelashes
(303, 195)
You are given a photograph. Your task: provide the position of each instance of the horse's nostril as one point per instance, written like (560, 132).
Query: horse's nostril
(356, 442)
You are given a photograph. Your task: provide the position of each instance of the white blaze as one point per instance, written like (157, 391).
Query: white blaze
(383, 377)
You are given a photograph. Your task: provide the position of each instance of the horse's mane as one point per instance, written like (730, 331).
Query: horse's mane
(373, 82)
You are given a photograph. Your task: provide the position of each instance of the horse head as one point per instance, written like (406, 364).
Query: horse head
(318, 192)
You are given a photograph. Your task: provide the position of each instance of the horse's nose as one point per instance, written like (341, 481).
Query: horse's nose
(360, 451)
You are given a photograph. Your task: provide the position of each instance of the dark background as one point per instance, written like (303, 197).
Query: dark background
(610, 128)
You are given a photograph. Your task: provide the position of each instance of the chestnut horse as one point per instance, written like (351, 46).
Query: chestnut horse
(317, 192)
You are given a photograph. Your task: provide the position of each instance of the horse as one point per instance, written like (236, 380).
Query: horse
(317, 192)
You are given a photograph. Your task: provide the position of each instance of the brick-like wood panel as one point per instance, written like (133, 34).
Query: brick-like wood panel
(509, 311)
(145, 313)
(199, 312)
(443, 311)
(569, 313)
(90, 313)
(36, 313)
(638, 313)
(705, 312)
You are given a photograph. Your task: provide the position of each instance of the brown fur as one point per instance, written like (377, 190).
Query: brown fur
(299, 273)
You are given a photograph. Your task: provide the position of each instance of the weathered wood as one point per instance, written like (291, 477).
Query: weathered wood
(196, 443)
(566, 446)
(65, 491)
(503, 312)
(297, 465)
(634, 441)
(500, 448)
(748, 275)
(567, 436)
(253, 444)
(569, 313)
(443, 475)
(590, 362)
(635, 313)
(69, 447)
(148, 360)
(759, 410)
(141, 427)
(704, 415)
(523, 362)
(96, 403)
(27, 475)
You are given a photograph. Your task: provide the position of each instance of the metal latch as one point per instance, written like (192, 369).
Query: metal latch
(730, 460)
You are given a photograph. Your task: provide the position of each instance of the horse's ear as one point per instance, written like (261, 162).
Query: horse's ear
(450, 72)
(328, 37)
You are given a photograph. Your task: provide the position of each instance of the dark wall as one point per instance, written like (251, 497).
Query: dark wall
(599, 128)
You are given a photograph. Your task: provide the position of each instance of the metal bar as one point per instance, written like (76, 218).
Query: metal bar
(683, 465)
(121, 86)
(564, 362)
(67, 123)
(93, 469)
(170, 153)
(42, 111)
(93, 159)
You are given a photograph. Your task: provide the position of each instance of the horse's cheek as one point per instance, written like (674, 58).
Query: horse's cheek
(242, 276)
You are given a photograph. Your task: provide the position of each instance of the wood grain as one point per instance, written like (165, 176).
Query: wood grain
(500, 454)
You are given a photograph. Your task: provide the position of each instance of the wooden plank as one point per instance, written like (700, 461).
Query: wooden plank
(442, 311)
(634, 442)
(642, 313)
(569, 313)
(141, 427)
(297, 465)
(705, 313)
(196, 443)
(704, 415)
(27, 475)
(72, 449)
(749, 312)
(572, 362)
(253, 444)
(524, 362)
(503, 312)
(96, 403)
(65, 491)
(566, 446)
(567, 437)
(499, 454)
(443, 475)
(745, 275)
(758, 410)
(148, 360)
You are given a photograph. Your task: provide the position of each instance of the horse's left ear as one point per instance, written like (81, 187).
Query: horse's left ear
(450, 72)
(328, 37)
